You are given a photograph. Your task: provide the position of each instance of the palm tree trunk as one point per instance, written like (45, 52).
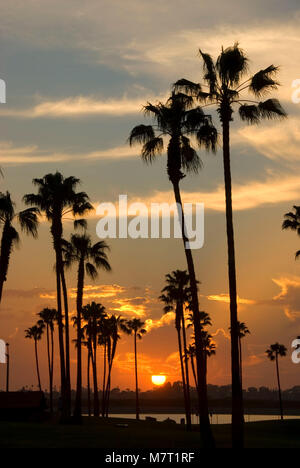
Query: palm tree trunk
(200, 358)
(104, 382)
(95, 380)
(188, 397)
(7, 367)
(49, 366)
(137, 405)
(37, 365)
(88, 380)
(60, 336)
(5, 251)
(279, 388)
(237, 394)
(194, 371)
(182, 371)
(78, 398)
(67, 341)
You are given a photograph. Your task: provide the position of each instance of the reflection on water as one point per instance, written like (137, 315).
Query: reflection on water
(215, 418)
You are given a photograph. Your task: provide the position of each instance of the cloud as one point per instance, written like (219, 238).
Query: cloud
(226, 298)
(289, 296)
(250, 195)
(278, 141)
(98, 291)
(164, 320)
(81, 106)
(32, 154)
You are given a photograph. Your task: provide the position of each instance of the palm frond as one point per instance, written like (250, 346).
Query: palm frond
(141, 134)
(210, 75)
(80, 223)
(28, 220)
(188, 87)
(91, 270)
(249, 113)
(271, 109)
(232, 64)
(152, 148)
(262, 81)
(190, 159)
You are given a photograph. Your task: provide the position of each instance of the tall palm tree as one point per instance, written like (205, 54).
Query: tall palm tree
(135, 327)
(292, 221)
(35, 332)
(175, 295)
(224, 82)
(178, 120)
(94, 313)
(28, 220)
(89, 258)
(57, 198)
(113, 325)
(47, 319)
(273, 353)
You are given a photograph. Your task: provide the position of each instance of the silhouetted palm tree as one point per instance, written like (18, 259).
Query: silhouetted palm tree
(57, 198)
(94, 314)
(243, 331)
(48, 317)
(35, 332)
(112, 325)
(89, 258)
(179, 120)
(292, 221)
(224, 83)
(135, 327)
(175, 295)
(28, 220)
(273, 352)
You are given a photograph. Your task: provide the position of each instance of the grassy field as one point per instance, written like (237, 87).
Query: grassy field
(106, 434)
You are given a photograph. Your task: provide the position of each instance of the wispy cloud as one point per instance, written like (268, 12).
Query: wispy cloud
(226, 298)
(247, 196)
(289, 296)
(11, 154)
(81, 106)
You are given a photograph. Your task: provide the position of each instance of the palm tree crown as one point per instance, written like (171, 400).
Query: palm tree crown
(292, 221)
(224, 82)
(179, 120)
(275, 350)
(28, 220)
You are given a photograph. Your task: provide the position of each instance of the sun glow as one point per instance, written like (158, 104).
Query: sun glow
(158, 379)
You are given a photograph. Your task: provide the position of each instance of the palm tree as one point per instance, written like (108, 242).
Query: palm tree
(135, 327)
(57, 198)
(89, 258)
(179, 120)
(111, 337)
(243, 331)
(28, 220)
(47, 319)
(292, 221)
(35, 332)
(94, 314)
(175, 295)
(224, 83)
(273, 352)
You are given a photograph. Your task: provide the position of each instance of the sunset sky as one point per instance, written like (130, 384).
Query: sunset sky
(77, 74)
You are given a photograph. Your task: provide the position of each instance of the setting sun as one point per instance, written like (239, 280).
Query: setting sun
(158, 379)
